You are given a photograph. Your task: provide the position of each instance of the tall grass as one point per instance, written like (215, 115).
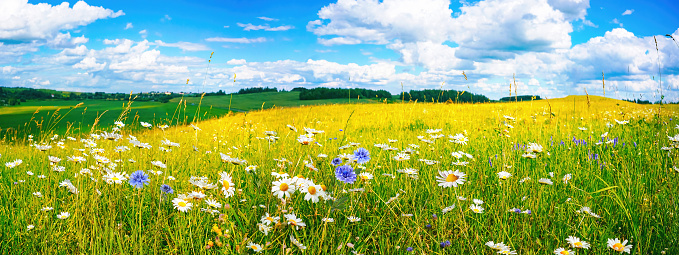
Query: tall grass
(630, 182)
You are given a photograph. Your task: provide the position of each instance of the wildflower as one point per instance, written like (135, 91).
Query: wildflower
(120, 124)
(402, 157)
(529, 155)
(476, 208)
(297, 243)
(37, 194)
(312, 191)
(46, 209)
(449, 178)
(477, 201)
(251, 168)
(506, 251)
(504, 175)
(566, 178)
(458, 139)
(283, 188)
(345, 174)
(562, 251)
(213, 203)
(181, 204)
(14, 163)
(114, 177)
(293, 220)
(138, 179)
(255, 247)
(76, 159)
(328, 220)
(270, 220)
(361, 155)
(353, 219)
(29, 227)
(618, 246)
(545, 181)
(576, 243)
(448, 209)
(63, 215)
(202, 182)
(409, 249)
(365, 176)
(444, 244)
(263, 228)
(67, 183)
(158, 164)
(228, 188)
(166, 189)
(305, 139)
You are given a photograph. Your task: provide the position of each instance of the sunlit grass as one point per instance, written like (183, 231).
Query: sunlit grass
(627, 180)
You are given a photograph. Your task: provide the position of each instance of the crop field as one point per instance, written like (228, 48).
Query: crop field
(61, 116)
(576, 175)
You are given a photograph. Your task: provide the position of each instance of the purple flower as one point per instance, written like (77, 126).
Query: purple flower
(409, 249)
(167, 189)
(345, 174)
(138, 179)
(336, 162)
(445, 244)
(362, 155)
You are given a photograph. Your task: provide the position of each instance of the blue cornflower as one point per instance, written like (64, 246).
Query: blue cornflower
(409, 249)
(345, 174)
(445, 244)
(167, 189)
(361, 155)
(138, 179)
(336, 161)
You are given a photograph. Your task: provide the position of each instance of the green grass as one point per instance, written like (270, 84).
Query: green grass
(23, 120)
(631, 183)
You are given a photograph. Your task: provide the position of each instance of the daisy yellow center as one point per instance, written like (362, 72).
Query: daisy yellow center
(618, 247)
(475, 210)
(284, 187)
(324, 187)
(281, 173)
(182, 204)
(292, 222)
(564, 253)
(300, 176)
(312, 190)
(115, 178)
(254, 247)
(452, 178)
(578, 244)
(226, 184)
(269, 218)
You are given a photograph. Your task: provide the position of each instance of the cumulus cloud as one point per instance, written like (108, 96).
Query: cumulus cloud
(22, 21)
(265, 27)
(128, 26)
(236, 40)
(267, 18)
(185, 46)
(628, 12)
(236, 62)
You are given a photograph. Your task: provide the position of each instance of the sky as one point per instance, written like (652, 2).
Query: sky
(551, 48)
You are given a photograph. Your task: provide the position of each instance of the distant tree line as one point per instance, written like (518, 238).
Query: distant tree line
(15, 96)
(437, 95)
(520, 98)
(639, 101)
(257, 90)
(330, 93)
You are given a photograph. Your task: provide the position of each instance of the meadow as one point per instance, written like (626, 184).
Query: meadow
(577, 175)
(47, 117)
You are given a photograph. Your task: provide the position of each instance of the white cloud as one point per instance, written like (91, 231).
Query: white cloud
(185, 46)
(616, 21)
(165, 18)
(628, 12)
(572, 9)
(128, 26)
(236, 62)
(20, 20)
(143, 33)
(236, 40)
(265, 27)
(267, 18)
(90, 64)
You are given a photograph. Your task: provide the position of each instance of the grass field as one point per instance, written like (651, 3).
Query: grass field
(81, 119)
(596, 169)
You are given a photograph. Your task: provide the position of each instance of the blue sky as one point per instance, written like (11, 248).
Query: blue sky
(553, 47)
